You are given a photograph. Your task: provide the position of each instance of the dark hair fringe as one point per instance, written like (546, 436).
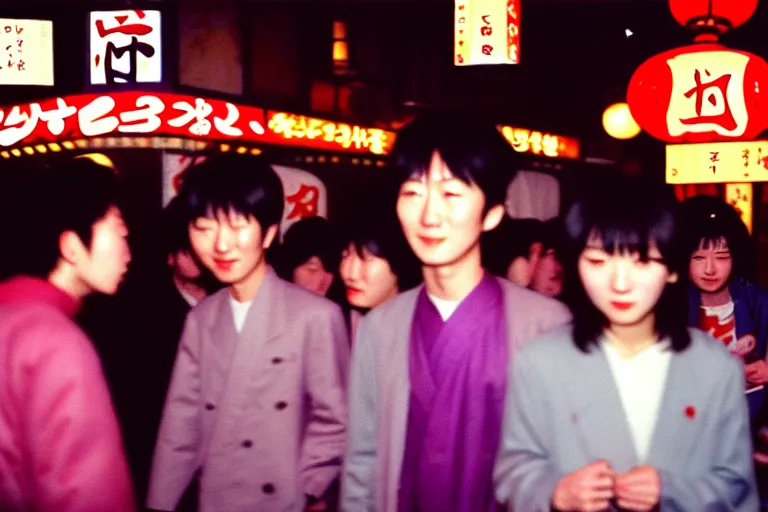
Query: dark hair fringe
(473, 149)
(226, 182)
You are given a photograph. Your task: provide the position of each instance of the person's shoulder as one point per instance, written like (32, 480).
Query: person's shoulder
(302, 300)
(37, 330)
(552, 344)
(533, 304)
(392, 311)
(709, 354)
(209, 303)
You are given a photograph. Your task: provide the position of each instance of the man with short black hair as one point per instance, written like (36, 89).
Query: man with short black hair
(257, 401)
(60, 444)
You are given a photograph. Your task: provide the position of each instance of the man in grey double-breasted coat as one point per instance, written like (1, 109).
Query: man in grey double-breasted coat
(257, 402)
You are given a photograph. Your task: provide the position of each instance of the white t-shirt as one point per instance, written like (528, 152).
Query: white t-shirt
(444, 307)
(640, 380)
(239, 312)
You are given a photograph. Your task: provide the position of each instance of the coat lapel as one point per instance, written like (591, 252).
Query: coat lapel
(598, 413)
(238, 352)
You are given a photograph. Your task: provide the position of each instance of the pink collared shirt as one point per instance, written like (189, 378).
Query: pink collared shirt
(60, 444)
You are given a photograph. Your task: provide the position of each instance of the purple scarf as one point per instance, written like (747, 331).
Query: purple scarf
(458, 373)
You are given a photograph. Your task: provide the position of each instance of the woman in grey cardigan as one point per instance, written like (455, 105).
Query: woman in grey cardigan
(626, 409)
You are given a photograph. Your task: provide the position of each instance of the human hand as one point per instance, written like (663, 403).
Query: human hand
(757, 372)
(639, 489)
(589, 489)
(744, 345)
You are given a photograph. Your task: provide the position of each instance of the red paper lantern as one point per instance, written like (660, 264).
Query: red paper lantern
(704, 92)
(721, 13)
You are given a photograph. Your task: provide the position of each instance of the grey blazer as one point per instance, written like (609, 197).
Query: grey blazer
(564, 411)
(261, 413)
(379, 389)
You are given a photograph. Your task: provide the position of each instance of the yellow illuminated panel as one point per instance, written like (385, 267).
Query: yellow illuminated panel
(319, 133)
(718, 162)
(541, 143)
(739, 195)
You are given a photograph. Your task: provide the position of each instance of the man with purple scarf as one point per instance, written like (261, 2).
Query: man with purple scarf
(429, 367)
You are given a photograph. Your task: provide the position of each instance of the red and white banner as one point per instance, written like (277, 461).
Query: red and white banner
(167, 114)
(129, 113)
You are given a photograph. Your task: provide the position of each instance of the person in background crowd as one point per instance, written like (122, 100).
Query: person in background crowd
(257, 401)
(525, 252)
(725, 304)
(429, 367)
(376, 265)
(721, 300)
(309, 257)
(60, 444)
(151, 319)
(628, 408)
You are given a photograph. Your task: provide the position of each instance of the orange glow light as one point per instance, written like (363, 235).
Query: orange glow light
(739, 195)
(542, 143)
(333, 136)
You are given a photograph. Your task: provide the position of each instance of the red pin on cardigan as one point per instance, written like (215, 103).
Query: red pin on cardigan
(690, 411)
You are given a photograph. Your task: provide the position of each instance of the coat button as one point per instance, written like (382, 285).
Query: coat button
(281, 405)
(209, 407)
(247, 443)
(268, 489)
(277, 360)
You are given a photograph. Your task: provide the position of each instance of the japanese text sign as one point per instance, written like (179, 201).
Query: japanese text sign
(129, 113)
(719, 162)
(298, 130)
(125, 47)
(541, 143)
(26, 52)
(708, 93)
(167, 114)
(486, 32)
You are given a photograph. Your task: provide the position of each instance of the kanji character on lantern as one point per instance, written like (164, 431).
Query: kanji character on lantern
(708, 93)
(487, 49)
(720, 85)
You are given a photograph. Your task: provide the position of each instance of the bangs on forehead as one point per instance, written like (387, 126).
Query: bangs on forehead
(211, 206)
(715, 243)
(419, 162)
(631, 235)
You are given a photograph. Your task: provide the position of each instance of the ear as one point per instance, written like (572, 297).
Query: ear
(493, 217)
(71, 248)
(673, 278)
(534, 253)
(270, 235)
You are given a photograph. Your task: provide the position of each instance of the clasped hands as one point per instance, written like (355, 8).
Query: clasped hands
(594, 487)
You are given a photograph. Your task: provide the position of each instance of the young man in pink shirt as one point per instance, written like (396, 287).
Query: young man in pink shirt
(60, 444)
